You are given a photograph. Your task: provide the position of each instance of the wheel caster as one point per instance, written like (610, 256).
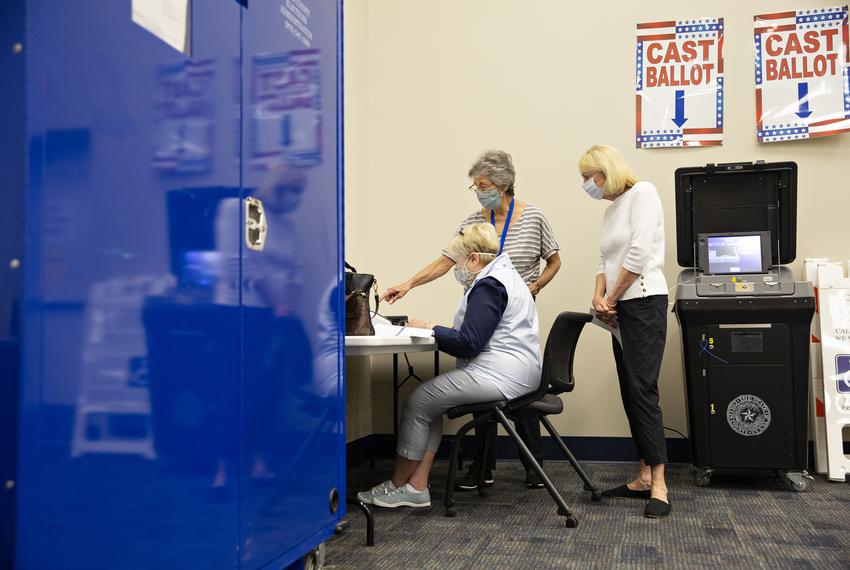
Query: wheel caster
(595, 496)
(797, 482)
(571, 522)
(449, 512)
(315, 559)
(702, 477)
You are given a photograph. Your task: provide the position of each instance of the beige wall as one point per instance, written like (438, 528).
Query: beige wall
(432, 83)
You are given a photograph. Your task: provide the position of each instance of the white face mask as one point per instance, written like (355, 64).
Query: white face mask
(592, 189)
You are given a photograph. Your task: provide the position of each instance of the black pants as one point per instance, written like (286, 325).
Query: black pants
(528, 428)
(643, 328)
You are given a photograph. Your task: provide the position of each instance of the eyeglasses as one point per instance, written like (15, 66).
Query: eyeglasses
(475, 188)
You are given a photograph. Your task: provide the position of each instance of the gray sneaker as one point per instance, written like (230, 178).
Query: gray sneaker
(381, 489)
(403, 497)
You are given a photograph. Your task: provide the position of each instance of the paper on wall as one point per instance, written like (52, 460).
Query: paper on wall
(166, 19)
(802, 74)
(679, 83)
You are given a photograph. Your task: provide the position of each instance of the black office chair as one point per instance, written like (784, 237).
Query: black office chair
(557, 378)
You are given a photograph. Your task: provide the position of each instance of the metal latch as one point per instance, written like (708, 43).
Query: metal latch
(256, 225)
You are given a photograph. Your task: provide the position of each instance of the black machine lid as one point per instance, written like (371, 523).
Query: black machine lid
(737, 197)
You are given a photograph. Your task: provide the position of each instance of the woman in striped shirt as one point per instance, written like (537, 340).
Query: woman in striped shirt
(527, 237)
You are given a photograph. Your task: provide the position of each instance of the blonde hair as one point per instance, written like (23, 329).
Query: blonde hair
(475, 238)
(608, 161)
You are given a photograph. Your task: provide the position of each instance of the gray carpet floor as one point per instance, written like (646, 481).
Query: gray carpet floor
(737, 522)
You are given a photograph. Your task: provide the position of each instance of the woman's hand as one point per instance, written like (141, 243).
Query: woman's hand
(393, 294)
(610, 320)
(606, 310)
(611, 304)
(420, 324)
(601, 306)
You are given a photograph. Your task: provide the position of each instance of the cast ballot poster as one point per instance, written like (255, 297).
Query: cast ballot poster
(286, 108)
(802, 80)
(679, 89)
(184, 117)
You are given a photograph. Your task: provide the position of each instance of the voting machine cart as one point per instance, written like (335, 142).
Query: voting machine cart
(744, 320)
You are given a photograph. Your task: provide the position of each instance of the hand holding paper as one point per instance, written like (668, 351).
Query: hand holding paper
(607, 322)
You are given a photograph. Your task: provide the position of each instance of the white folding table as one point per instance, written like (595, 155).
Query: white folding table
(395, 345)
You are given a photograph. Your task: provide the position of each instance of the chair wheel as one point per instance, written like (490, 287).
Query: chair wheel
(702, 477)
(571, 522)
(449, 512)
(595, 496)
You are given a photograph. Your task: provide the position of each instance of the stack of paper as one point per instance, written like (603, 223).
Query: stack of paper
(383, 328)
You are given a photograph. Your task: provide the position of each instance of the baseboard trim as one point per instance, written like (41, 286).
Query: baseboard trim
(608, 449)
(585, 448)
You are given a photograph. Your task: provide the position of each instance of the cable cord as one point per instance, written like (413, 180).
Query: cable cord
(676, 431)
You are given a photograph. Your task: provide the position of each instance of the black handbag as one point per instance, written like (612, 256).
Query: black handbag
(358, 317)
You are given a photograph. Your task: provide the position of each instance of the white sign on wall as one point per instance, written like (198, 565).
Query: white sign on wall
(802, 73)
(679, 83)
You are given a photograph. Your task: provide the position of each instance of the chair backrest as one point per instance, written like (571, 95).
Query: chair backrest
(560, 352)
(557, 376)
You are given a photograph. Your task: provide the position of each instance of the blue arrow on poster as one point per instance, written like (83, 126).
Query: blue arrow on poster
(287, 130)
(680, 119)
(803, 97)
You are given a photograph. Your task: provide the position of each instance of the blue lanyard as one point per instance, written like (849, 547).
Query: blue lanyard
(507, 223)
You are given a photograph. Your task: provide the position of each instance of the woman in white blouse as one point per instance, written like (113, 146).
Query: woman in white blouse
(631, 292)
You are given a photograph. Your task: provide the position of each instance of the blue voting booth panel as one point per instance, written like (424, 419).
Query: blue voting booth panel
(181, 395)
(11, 248)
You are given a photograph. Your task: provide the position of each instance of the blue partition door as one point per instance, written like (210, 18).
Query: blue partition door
(181, 395)
(292, 400)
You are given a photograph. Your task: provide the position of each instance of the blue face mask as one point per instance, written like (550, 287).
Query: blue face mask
(489, 199)
(592, 189)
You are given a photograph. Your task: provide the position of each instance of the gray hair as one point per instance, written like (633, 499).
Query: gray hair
(498, 166)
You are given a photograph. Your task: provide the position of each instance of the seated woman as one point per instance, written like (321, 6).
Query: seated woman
(497, 344)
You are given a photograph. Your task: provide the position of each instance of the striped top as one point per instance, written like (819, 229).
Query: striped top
(530, 239)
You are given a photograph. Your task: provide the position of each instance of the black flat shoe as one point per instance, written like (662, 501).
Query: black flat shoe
(656, 508)
(623, 491)
(469, 482)
(532, 480)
